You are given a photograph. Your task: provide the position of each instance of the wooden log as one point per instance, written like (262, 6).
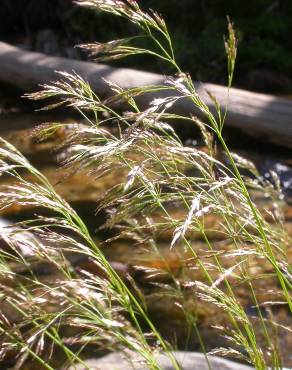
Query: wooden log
(262, 116)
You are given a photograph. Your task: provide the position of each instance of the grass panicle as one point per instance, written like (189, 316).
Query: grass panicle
(202, 208)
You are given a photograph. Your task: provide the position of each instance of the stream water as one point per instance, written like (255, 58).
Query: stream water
(82, 193)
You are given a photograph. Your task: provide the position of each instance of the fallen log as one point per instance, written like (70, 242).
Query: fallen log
(262, 116)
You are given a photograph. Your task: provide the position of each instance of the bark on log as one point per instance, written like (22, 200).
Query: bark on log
(262, 116)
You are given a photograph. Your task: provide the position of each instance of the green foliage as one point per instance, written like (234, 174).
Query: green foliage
(196, 26)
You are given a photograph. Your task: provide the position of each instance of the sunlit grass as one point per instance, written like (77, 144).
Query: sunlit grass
(162, 175)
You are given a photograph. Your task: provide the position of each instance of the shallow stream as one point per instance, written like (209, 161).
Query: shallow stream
(82, 191)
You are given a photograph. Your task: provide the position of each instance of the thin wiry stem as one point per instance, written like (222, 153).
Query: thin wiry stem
(158, 176)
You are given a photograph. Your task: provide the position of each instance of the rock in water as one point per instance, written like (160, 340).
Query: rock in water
(187, 361)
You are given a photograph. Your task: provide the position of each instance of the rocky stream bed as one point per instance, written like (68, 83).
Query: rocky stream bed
(82, 192)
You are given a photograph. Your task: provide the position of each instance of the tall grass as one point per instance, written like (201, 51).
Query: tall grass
(165, 188)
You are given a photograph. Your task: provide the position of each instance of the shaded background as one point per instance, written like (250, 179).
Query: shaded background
(197, 26)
